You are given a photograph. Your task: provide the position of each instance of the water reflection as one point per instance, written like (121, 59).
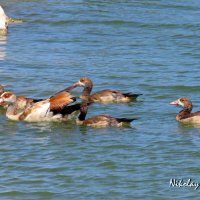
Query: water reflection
(42, 127)
(3, 42)
(189, 125)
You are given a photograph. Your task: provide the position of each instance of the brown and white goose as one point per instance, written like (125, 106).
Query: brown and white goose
(185, 115)
(100, 121)
(103, 96)
(22, 101)
(53, 109)
(3, 104)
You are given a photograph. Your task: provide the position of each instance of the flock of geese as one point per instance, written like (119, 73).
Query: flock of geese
(61, 106)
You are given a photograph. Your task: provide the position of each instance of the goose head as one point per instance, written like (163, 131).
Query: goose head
(8, 97)
(183, 102)
(84, 82)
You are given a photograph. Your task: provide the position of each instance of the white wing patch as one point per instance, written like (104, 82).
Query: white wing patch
(39, 112)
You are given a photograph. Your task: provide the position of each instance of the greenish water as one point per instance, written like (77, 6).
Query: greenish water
(149, 47)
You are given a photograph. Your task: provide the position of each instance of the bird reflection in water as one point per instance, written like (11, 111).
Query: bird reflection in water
(3, 42)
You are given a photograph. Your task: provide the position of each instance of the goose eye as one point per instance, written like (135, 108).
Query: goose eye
(7, 95)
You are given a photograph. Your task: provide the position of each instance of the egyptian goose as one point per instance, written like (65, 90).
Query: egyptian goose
(22, 101)
(25, 102)
(104, 96)
(185, 115)
(3, 104)
(53, 109)
(100, 121)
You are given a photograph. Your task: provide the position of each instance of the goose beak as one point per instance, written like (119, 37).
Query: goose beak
(77, 84)
(175, 103)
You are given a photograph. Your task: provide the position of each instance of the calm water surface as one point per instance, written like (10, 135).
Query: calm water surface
(146, 46)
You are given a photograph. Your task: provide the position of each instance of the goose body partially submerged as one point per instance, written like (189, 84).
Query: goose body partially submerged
(100, 121)
(186, 114)
(52, 109)
(103, 96)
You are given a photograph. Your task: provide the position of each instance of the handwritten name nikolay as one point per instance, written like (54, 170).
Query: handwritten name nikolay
(181, 183)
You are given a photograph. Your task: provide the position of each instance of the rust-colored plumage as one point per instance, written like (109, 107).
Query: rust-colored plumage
(61, 100)
(26, 109)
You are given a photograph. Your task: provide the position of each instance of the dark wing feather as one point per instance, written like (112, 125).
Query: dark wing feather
(67, 110)
(37, 100)
(131, 95)
(125, 120)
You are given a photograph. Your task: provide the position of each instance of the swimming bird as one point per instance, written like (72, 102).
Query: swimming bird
(185, 115)
(22, 101)
(100, 121)
(3, 104)
(54, 108)
(103, 96)
(25, 102)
